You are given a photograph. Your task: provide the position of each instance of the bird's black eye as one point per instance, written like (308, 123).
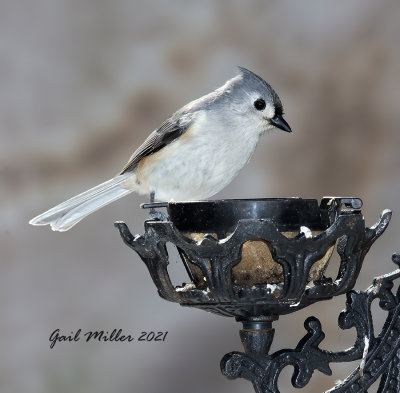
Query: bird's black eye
(259, 104)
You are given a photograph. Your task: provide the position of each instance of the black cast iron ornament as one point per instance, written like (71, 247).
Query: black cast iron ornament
(257, 259)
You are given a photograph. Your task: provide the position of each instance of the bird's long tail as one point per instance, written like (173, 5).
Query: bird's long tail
(65, 215)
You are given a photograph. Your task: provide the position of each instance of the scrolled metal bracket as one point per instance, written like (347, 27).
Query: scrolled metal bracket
(379, 355)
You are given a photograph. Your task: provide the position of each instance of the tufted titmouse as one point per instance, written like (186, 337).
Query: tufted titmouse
(193, 155)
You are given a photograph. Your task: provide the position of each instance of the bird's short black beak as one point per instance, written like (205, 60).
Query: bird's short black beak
(279, 122)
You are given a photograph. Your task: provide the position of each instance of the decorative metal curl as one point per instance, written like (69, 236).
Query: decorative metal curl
(380, 355)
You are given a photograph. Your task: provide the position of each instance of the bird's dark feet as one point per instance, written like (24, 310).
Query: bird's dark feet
(157, 215)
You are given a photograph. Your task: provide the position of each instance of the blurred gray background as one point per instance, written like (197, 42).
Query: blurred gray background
(83, 83)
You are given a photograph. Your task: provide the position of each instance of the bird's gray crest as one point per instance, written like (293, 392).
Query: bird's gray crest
(252, 77)
(253, 81)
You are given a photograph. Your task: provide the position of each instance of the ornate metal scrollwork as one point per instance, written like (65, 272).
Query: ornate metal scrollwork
(258, 305)
(216, 259)
(380, 355)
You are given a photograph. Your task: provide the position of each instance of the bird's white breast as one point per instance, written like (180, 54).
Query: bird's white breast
(199, 163)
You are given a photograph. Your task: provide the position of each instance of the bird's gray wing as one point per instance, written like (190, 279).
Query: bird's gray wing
(171, 129)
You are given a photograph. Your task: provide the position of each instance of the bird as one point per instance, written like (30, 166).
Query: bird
(193, 155)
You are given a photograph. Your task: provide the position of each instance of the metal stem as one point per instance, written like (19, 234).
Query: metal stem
(257, 335)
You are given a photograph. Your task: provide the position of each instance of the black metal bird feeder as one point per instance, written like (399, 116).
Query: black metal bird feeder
(257, 259)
